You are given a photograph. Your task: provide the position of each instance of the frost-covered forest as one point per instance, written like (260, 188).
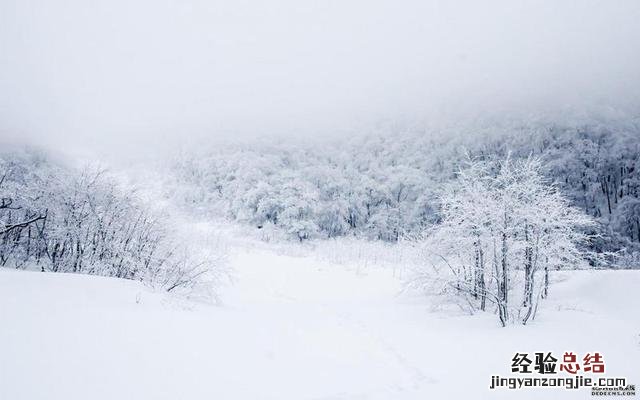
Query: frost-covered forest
(388, 187)
(319, 200)
(492, 209)
(337, 256)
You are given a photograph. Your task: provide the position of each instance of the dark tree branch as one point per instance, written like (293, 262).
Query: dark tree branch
(24, 224)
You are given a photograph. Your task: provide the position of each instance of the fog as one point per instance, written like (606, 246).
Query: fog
(134, 76)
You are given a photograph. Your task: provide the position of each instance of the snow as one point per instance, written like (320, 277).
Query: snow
(293, 328)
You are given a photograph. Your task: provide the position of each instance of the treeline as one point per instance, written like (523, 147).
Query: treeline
(58, 218)
(596, 167)
(386, 187)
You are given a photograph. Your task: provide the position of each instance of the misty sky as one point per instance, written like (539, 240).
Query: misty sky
(115, 72)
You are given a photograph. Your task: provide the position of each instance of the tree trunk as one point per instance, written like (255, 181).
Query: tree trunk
(505, 280)
(605, 185)
(545, 291)
(481, 283)
(528, 271)
(476, 269)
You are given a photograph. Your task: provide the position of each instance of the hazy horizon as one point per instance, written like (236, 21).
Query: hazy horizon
(140, 76)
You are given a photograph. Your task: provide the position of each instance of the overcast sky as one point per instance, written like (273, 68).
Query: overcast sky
(114, 72)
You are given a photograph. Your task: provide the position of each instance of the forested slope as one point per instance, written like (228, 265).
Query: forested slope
(386, 187)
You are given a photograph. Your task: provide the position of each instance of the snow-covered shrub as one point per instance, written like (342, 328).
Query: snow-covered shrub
(84, 222)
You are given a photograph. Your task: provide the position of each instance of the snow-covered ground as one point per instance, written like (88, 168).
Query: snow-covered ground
(293, 328)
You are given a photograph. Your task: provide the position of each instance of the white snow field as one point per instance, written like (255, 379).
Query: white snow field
(294, 328)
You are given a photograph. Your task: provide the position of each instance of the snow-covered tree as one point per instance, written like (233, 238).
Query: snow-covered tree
(501, 220)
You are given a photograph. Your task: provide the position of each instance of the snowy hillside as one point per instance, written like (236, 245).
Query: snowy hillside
(319, 200)
(293, 328)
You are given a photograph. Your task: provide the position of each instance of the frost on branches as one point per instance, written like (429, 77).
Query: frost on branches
(59, 219)
(504, 226)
